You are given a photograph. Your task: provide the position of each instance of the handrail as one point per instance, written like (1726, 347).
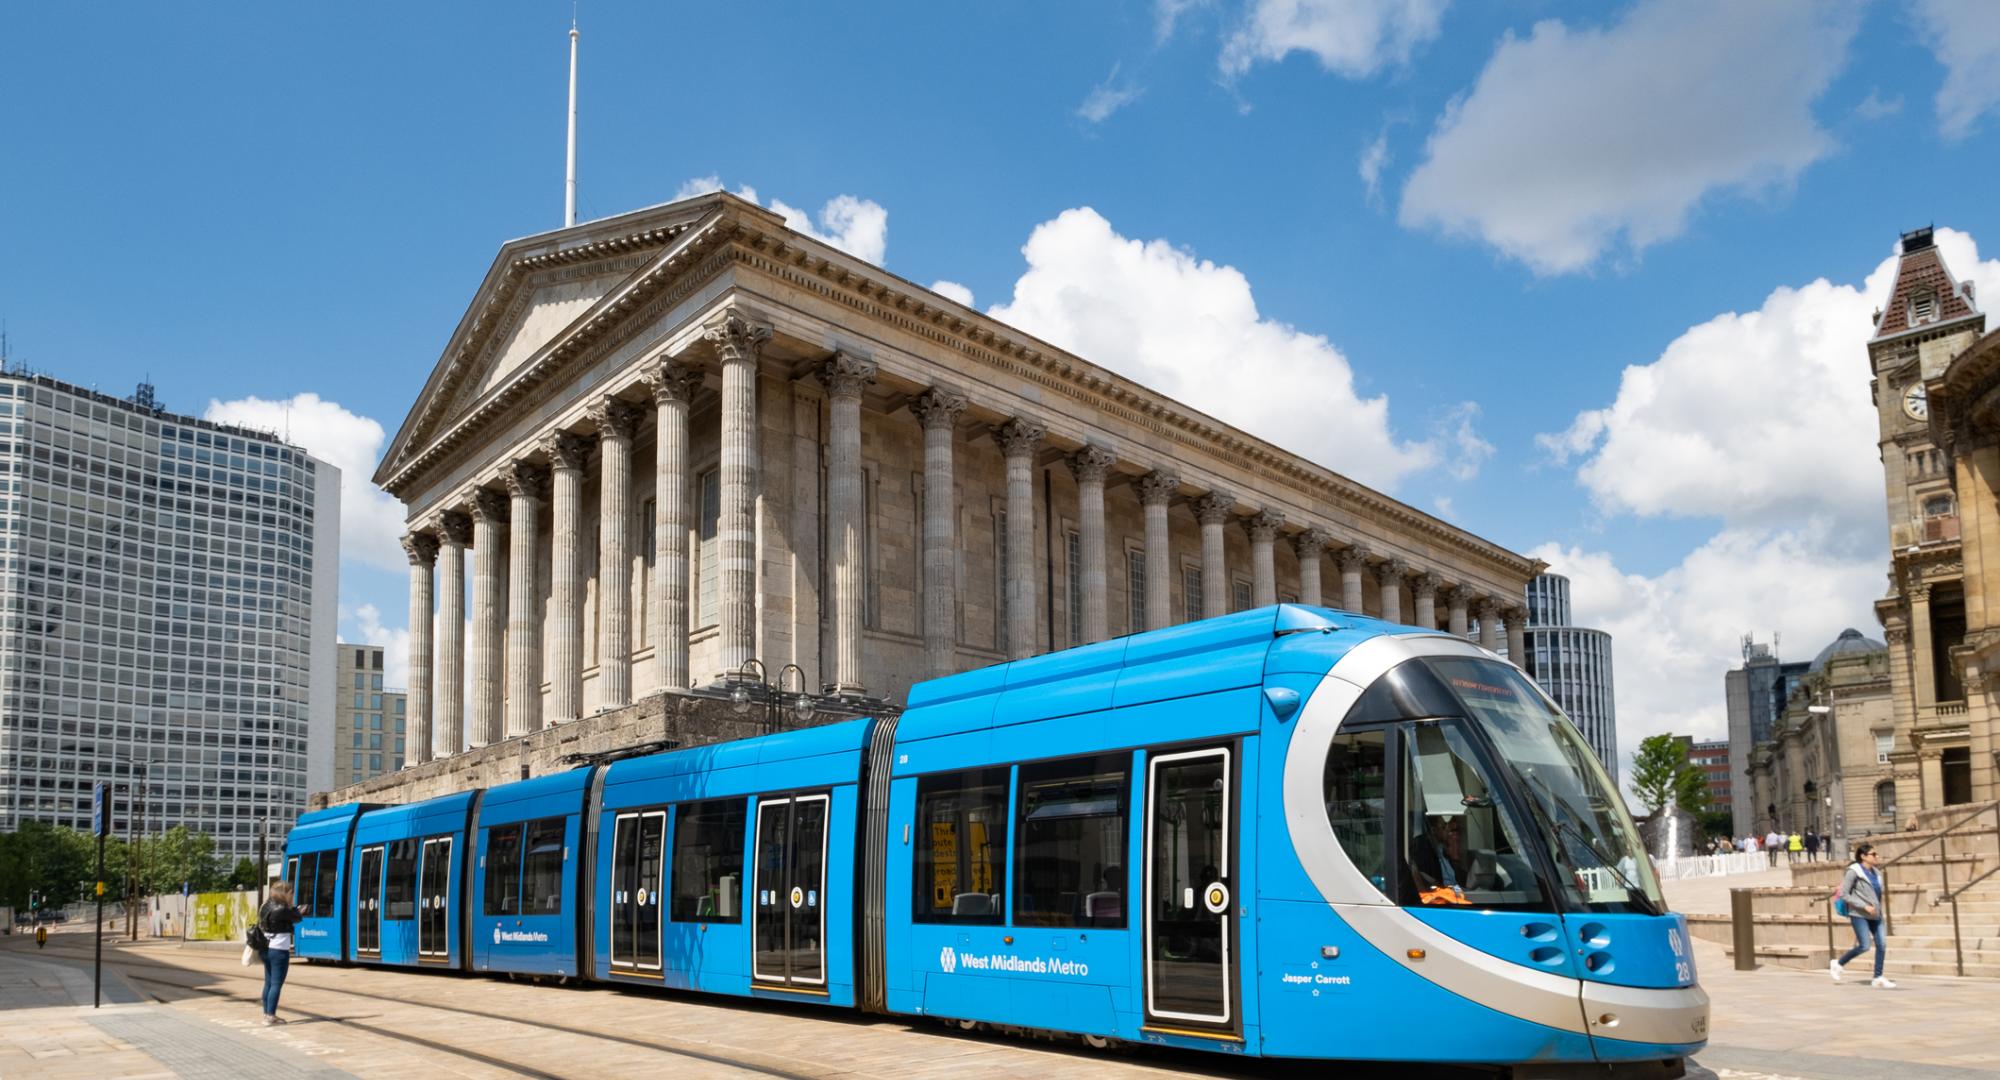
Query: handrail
(1941, 834)
(1956, 893)
(1944, 874)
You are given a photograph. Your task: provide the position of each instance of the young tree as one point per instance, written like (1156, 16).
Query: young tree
(245, 875)
(179, 857)
(1661, 772)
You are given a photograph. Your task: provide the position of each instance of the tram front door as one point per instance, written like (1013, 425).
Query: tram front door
(368, 903)
(790, 927)
(1190, 931)
(637, 846)
(434, 881)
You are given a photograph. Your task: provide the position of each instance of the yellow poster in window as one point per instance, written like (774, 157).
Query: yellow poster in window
(944, 864)
(982, 859)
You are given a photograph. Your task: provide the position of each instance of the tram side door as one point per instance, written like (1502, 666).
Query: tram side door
(789, 930)
(434, 881)
(638, 850)
(1191, 952)
(368, 903)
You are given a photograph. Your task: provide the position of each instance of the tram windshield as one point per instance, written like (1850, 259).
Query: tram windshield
(1447, 763)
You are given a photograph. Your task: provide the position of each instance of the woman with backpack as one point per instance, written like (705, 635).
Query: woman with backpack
(1862, 899)
(276, 919)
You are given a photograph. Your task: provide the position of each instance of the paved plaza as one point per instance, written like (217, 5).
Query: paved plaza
(190, 1011)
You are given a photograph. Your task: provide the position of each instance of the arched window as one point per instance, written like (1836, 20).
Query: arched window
(1885, 800)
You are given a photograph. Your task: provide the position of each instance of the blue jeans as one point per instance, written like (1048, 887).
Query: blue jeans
(279, 961)
(1864, 929)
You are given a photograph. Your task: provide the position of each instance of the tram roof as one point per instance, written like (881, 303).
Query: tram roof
(1222, 653)
(322, 828)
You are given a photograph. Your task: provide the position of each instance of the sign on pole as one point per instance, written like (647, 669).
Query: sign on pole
(100, 809)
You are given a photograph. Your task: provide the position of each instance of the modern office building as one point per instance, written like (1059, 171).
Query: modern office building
(1755, 695)
(166, 615)
(1712, 758)
(1573, 664)
(369, 719)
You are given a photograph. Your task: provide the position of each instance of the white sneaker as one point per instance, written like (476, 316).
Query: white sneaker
(1833, 969)
(1881, 983)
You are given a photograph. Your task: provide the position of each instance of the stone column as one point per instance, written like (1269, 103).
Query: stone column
(527, 486)
(1263, 529)
(673, 386)
(1353, 561)
(1922, 669)
(422, 549)
(616, 421)
(1213, 510)
(1389, 585)
(1423, 594)
(448, 730)
(737, 344)
(568, 454)
(1156, 490)
(938, 411)
(1311, 548)
(489, 614)
(1018, 440)
(845, 376)
(1489, 623)
(1090, 466)
(1517, 638)
(1457, 621)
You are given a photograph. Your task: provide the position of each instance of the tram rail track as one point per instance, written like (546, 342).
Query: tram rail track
(126, 961)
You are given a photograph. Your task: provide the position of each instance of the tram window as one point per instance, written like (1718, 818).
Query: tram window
(1461, 846)
(1071, 843)
(303, 869)
(325, 890)
(503, 870)
(1356, 786)
(542, 868)
(708, 861)
(399, 881)
(961, 847)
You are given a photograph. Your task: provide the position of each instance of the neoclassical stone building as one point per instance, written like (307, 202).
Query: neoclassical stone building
(664, 444)
(1936, 383)
(1826, 766)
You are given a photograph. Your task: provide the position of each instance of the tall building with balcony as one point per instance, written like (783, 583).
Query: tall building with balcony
(166, 615)
(1573, 664)
(370, 720)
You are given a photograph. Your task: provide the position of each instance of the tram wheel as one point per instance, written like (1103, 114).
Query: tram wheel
(967, 1025)
(1099, 1042)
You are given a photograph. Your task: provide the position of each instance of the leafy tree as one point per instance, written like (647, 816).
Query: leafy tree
(1717, 821)
(58, 862)
(178, 857)
(245, 875)
(1661, 772)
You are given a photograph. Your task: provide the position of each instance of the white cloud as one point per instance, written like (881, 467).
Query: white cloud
(855, 225)
(1876, 107)
(1965, 36)
(1573, 141)
(1108, 97)
(1351, 38)
(395, 642)
(1190, 328)
(1759, 418)
(1464, 451)
(371, 521)
(1762, 422)
(1675, 634)
(1374, 158)
(1167, 15)
(952, 290)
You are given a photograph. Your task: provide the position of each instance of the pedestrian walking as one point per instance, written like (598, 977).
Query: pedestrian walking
(1773, 842)
(276, 918)
(1812, 846)
(1862, 899)
(1795, 846)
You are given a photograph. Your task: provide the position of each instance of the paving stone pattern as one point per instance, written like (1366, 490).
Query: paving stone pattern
(196, 1050)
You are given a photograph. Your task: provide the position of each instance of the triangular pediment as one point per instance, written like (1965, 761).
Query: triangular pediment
(538, 291)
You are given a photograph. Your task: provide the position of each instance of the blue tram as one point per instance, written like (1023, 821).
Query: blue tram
(1291, 832)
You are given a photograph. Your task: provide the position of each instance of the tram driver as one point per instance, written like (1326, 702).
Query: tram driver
(1438, 860)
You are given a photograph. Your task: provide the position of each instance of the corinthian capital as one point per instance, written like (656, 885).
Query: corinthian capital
(1311, 543)
(671, 382)
(488, 505)
(1092, 464)
(455, 528)
(1390, 573)
(1215, 507)
(1487, 608)
(526, 481)
(566, 451)
(421, 547)
(1158, 488)
(1019, 437)
(1352, 559)
(736, 338)
(845, 375)
(614, 419)
(1264, 525)
(938, 408)
(1425, 586)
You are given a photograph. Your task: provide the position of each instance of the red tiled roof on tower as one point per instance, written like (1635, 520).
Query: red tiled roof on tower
(1924, 294)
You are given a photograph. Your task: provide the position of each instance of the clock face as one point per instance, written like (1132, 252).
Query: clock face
(1915, 403)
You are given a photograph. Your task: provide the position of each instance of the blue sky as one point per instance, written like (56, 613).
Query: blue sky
(1460, 225)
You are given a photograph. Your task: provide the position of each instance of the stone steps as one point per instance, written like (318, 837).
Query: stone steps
(1809, 958)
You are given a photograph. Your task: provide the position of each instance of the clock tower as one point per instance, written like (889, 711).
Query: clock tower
(1930, 319)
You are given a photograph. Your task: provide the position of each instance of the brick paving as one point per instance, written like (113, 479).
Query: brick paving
(201, 1021)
